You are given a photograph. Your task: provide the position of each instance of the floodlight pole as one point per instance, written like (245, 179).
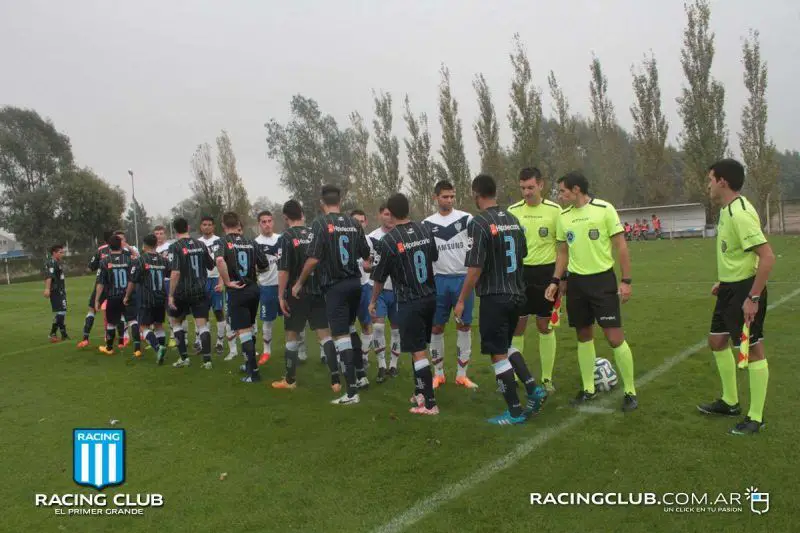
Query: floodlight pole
(135, 221)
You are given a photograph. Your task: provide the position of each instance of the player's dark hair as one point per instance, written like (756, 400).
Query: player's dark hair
(397, 204)
(575, 179)
(150, 240)
(207, 217)
(484, 186)
(56, 247)
(443, 185)
(159, 228)
(293, 210)
(230, 220)
(115, 242)
(731, 171)
(264, 213)
(530, 172)
(360, 212)
(331, 195)
(180, 225)
(107, 236)
(382, 207)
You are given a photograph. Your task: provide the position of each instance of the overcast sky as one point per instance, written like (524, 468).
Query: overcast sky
(139, 84)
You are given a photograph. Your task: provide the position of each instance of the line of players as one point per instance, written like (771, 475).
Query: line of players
(516, 258)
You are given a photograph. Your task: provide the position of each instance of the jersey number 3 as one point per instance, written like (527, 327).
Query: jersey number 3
(511, 253)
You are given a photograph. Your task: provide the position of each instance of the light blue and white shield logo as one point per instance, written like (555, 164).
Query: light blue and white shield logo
(98, 457)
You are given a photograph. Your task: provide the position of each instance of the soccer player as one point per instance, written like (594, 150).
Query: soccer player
(268, 280)
(364, 317)
(337, 244)
(238, 259)
(55, 289)
(214, 286)
(494, 262)
(587, 231)
(628, 230)
(189, 266)
(656, 226)
(112, 283)
(538, 217)
(94, 266)
(744, 262)
(150, 272)
(309, 307)
(407, 253)
(162, 247)
(386, 306)
(449, 229)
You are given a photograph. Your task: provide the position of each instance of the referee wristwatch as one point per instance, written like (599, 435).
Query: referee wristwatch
(755, 298)
(627, 281)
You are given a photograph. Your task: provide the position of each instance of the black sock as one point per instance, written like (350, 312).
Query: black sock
(425, 378)
(137, 338)
(291, 361)
(152, 340)
(110, 332)
(508, 386)
(329, 349)
(180, 338)
(349, 371)
(205, 345)
(521, 370)
(355, 340)
(121, 331)
(162, 340)
(87, 326)
(54, 326)
(249, 350)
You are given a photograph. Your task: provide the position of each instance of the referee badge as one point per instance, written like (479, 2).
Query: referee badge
(570, 237)
(594, 234)
(724, 247)
(543, 232)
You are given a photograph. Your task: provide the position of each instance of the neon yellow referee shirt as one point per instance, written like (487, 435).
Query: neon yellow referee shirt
(738, 232)
(587, 231)
(539, 223)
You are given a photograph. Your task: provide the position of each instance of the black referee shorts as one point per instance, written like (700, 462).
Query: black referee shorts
(152, 315)
(197, 307)
(415, 318)
(728, 317)
(498, 318)
(537, 278)
(114, 310)
(58, 301)
(308, 309)
(341, 303)
(242, 307)
(593, 298)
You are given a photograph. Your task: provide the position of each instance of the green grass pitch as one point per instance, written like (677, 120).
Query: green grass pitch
(296, 463)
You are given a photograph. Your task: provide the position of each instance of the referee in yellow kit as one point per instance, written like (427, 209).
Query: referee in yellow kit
(586, 232)
(538, 218)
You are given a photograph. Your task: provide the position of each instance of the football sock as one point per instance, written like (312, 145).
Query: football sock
(291, 361)
(161, 336)
(121, 331)
(329, 349)
(301, 343)
(624, 358)
(521, 370)
(205, 342)
(518, 342)
(220, 326)
(266, 335)
(135, 333)
(379, 340)
(394, 337)
(345, 348)
(726, 364)
(586, 357)
(437, 352)
(507, 385)
(180, 338)
(110, 332)
(547, 354)
(249, 350)
(358, 362)
(366, 343)
(464, 350)
(54, 326)
(759, 377)
(87, 325)
(422, 371)
(152, 338)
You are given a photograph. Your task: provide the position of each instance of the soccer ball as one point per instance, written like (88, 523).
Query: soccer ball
(605, 377)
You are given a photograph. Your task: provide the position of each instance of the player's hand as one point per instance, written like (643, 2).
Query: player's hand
(624, 292)
(373, 312)
(550, 292)
(125, 301)
(367, 264)
(715, 289)
(47, 293)
(458, 311)
(97, 306)
(296, 290)
(235, 285)
(284, 307)
(750, 308)
(219, 287)
(171, 303)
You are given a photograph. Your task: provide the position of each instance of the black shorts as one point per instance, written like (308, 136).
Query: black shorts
(197, 307)
(94, 295)
(242, 307)
(114, 311)
(728, 317)
(132, 309)
(309, 309)
(58, 302)
(152, 315)
(498, 318)
(341, 303)
(593, 298)
(415, 318)
(537, 278)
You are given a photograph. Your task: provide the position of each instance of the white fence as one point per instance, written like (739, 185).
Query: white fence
(679, 220)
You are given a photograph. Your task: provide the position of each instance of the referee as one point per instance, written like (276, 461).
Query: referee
(538, 217)
(586, 232)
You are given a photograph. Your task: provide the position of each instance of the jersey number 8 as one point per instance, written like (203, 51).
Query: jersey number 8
(420, 266)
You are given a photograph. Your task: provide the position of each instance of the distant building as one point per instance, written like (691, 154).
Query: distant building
(8, 243)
